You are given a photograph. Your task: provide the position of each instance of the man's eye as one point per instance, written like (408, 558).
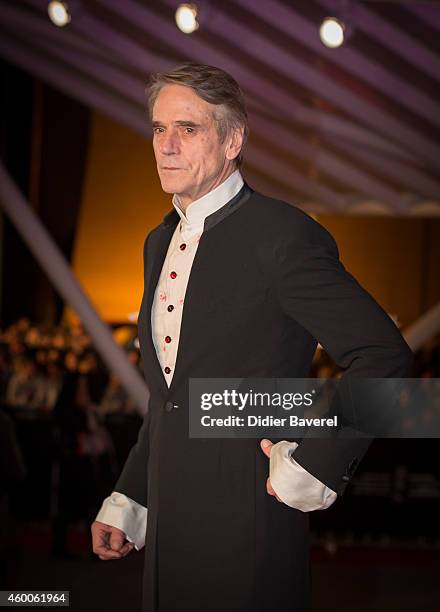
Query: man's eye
(157, 130)
(189, 130)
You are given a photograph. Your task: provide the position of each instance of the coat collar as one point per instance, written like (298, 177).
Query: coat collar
(196, 213)
(172, 218)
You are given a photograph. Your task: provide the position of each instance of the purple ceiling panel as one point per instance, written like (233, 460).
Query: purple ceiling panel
(360, 181)
(426, 11)
(294, 25)
(390, 36)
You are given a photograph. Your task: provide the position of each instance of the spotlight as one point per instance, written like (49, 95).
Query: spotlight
(332, 32)
(59, 13)
(186, 18)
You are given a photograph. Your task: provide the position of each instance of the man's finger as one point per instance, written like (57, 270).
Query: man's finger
(117, 540)
(266, 446)
(110, 555)
(100, 534)
(271, 490)
(127, 548)
(106, 553)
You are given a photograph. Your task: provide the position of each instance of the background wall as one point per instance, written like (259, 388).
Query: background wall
(397, 260)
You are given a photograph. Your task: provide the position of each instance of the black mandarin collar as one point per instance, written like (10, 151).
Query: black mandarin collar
(172, 218)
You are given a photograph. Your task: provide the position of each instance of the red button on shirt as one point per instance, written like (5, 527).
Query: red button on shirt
(182, 247)
(170, 308)
(167, 370)
(173, 274)
(167, 339)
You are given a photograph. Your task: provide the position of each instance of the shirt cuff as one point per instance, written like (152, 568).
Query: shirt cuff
(120, 511)
(295, 486)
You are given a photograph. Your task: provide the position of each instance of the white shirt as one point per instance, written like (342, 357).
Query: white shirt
(293, 484)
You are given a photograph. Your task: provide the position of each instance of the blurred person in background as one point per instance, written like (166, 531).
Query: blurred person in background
(26, 384)
(115, 399)
(84, 450)
(5, 370)
(12, 472)
(71, 361)
(53, 382)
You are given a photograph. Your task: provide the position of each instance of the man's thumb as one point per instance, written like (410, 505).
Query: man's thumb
(116, 540)
(266, 446)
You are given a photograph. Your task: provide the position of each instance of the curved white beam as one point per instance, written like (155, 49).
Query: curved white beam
(424, 329)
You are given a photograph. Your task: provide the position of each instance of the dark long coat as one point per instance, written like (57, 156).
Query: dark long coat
(265, 285)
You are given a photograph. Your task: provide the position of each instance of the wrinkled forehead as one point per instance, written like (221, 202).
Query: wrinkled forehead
(180, 103)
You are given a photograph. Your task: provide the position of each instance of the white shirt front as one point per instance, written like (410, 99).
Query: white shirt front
(293, 484)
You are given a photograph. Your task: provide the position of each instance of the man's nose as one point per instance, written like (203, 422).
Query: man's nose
(169, 143)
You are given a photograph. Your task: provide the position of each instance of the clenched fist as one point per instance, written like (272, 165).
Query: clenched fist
(109, 542)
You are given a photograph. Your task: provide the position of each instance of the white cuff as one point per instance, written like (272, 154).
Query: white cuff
(293, 484)
(120, 511)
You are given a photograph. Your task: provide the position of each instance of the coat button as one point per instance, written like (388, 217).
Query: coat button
(169, 407)
(170, 308)
(173, 274)
(182, 247)
(167, 370)
(167, 339)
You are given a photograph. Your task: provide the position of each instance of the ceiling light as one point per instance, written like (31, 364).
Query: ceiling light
(186, 18)
(332, 32)
(59, 13)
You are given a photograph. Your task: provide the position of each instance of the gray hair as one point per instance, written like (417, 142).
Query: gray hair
(214, 86)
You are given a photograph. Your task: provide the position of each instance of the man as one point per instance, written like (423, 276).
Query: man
(236, 285)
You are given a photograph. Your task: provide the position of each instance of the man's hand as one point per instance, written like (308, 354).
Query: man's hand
(266, 446)
(109, 542)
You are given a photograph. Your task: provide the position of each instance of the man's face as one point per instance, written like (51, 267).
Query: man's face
(191, 161)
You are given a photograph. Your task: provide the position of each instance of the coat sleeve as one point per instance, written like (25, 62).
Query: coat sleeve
(133, 481)
(314, 288)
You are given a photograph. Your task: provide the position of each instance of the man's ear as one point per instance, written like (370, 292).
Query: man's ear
(235, 143)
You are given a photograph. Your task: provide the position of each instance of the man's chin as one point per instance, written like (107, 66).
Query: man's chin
(167, 189)
(169, 186)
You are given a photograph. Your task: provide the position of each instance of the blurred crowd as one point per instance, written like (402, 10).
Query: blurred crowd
(54, 376)
(36, 361)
